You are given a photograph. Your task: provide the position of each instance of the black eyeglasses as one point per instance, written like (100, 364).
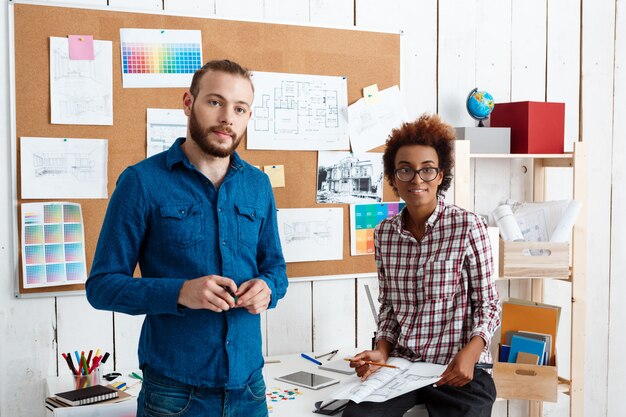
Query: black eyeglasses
(427, 174)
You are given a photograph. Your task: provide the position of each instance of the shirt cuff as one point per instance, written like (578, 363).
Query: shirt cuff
(483, 335)
(270, 285)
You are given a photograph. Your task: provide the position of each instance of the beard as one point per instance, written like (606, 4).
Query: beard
(200, 135)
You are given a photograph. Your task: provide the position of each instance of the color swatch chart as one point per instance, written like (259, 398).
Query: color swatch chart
(169, 58)
(363, 220)
(53, 244)
(154, 58)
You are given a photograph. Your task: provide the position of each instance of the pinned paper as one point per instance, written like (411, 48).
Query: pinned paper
(81, 47)
(370, 94)
(276, 174)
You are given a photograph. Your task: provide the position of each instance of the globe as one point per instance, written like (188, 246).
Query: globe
(479, 105)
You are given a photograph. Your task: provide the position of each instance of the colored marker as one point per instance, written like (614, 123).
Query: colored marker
(315, 361)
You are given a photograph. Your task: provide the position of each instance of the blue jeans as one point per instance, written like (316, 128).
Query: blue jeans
(161, 396)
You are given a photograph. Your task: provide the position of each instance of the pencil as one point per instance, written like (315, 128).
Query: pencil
(372, 363)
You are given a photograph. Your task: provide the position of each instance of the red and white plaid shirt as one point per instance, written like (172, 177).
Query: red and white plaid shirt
(436, 293)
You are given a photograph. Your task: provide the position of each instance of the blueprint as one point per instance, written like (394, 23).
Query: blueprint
(299, 112)
(81, 91)
(164, 126)
(387, 383)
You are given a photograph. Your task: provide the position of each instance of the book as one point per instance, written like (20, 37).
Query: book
(529, 316)
(526, 344)
(533, 335)
(87, 395)
(387, 383)
(527, 358)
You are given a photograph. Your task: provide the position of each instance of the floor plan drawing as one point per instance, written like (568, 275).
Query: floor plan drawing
(299, 112)
(81, 91)
(164, 127)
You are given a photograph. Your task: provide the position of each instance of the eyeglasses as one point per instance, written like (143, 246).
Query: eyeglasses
(407, 174)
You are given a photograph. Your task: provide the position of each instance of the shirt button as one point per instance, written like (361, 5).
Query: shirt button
(224, 242)
(219, 209)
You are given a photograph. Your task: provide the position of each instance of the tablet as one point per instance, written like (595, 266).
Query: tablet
(308, 380)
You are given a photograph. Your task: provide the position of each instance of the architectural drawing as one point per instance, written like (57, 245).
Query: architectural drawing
(387, 383)
(311, 234)
(299, 112)
(343, 177)
(164, 127)
(63, 168)
(81, 91)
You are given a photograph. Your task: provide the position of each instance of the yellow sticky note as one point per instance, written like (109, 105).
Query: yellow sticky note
(370, 94)
(276, 174)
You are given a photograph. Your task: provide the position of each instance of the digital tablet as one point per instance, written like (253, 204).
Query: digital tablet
(308, 380)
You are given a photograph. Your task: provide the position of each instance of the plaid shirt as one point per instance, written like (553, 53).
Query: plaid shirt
(436, 293)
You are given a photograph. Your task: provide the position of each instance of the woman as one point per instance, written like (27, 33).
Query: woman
(438, 300)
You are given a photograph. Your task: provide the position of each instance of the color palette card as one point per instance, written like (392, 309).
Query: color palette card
(53, 244)
(363, 220)
(153, 58)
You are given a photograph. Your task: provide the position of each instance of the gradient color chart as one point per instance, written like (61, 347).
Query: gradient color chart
(363, 221)
(156, 58)
(53, 248)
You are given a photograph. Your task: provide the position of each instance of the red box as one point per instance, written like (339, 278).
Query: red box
(536, 126)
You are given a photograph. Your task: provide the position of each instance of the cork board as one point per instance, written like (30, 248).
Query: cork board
(363, 57)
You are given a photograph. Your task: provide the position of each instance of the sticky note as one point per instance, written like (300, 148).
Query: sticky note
(276, 174)
(370, 94)
(81, 47)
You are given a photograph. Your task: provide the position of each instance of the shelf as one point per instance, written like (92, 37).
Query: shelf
(522, 155)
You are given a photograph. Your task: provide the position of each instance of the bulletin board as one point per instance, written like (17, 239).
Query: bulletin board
(363, 57)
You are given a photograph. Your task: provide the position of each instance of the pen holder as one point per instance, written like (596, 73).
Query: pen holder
(84, 381)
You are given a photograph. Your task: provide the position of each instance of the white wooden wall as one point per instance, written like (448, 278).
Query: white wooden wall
(557, 50)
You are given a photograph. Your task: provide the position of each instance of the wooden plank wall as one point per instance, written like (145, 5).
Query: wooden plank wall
(556, 50)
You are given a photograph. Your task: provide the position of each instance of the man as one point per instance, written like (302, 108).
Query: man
(201, 222)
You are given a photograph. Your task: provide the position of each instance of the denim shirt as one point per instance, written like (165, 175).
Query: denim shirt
(168, 217)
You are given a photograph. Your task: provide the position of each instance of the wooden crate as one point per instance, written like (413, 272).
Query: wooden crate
(534, 260)
(525, 382)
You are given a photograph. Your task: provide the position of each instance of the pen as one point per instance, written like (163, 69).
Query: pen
(136, 376)
(386, 365)
(315, 361)
(231, 293)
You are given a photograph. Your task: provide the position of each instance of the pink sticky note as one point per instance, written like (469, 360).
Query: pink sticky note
(81, 47)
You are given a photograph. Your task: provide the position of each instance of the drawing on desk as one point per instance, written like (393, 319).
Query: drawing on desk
(311, 234)
(63, 168)
(387, 383)
(81, 91)
(299, 112)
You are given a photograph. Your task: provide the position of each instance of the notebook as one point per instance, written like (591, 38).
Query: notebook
(87, 395)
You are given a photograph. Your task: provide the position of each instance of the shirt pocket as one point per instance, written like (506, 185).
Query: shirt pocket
(249, 222)
(440, 279)
(181, 224)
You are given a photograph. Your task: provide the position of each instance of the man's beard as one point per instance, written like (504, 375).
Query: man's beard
(200, 136)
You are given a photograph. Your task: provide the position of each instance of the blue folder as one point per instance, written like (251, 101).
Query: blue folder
(528, 345)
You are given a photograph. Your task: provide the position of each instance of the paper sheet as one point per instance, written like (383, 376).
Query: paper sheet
(311, 234)
(153, 58)
(164, 126)
(53, 244)
(343, 177)
(63, 168)
(387, 383)
(371, 124)
(81, 91)
(298, 112)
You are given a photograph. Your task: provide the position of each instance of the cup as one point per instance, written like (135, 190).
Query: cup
(84, 381)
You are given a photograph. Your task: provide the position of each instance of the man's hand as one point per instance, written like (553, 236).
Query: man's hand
(461, 370)
(208, 292)
(254, 295)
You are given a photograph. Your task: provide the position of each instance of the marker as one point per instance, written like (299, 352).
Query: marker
(104, 359)
(315, 361)
(136, 376)
(231, 293)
